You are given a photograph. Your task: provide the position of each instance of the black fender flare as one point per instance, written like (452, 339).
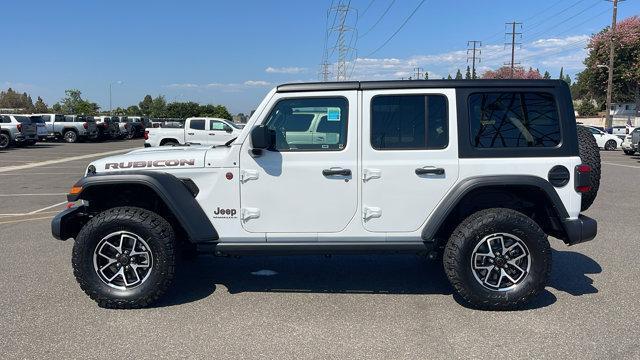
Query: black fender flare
(436, 220)
(171, 190)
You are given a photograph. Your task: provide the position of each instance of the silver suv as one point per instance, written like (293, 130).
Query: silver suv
(18, 130)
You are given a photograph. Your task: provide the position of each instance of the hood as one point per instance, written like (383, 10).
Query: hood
(159, 158)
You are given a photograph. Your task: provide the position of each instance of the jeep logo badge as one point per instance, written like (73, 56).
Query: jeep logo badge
(221, 213)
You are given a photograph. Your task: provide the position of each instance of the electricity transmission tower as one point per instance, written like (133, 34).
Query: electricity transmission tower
(513, 43)
(418, 72)
(325, 73)
(342, 29)
(473, 47)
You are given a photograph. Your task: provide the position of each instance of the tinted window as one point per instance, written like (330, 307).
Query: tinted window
(60, 118)
(297, 124)
(46, 118)
(37, 119)
(23, 119)
(513, 119)
(5, 119)
(197, 124)
(409, 122)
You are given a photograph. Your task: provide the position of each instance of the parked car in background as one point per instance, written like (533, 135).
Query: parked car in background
(628, 145)
(604, 140)
(620, 131)
(41, 127)
(107, 129)
(138, 125)
(197, 130)
(70, 128)
(123, 126)
(17, 130)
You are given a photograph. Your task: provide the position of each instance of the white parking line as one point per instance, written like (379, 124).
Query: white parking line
(629, 166)
(58, 161)
(36, 211)
(23, 220)
(36, 173)
(49, 194)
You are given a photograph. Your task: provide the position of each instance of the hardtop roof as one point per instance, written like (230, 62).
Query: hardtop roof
(417, 84)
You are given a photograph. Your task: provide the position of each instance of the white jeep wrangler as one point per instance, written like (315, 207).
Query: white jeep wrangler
(480, 172)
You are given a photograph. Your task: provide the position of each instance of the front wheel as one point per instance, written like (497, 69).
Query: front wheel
(498, 259)
(628, 152)
(125, 257)
(610, 145)
(5, 141)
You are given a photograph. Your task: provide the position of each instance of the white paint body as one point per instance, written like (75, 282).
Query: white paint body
(602, 137)
(216, 132)
(283, 196)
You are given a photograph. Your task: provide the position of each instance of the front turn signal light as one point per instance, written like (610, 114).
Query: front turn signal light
(75, 190)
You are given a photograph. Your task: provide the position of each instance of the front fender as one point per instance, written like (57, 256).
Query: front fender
(171, 190)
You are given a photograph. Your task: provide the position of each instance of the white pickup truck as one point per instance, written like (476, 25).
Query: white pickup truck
(196, 130)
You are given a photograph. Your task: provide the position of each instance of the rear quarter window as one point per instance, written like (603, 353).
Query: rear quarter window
(514, 120)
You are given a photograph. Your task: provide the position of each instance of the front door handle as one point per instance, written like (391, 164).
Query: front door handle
(429, 171)
(189, 133)
(211, 133)
(336, 171)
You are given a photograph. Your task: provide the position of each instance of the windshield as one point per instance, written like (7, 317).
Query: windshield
(237, 126)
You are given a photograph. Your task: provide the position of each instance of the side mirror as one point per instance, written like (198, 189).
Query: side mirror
(228, 128)
(261, 137)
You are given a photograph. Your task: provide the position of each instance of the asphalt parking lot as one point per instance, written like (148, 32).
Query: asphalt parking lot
(384, 307)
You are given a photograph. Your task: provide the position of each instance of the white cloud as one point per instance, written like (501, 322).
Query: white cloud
(257, 83)
(285, 70)
(182, 86)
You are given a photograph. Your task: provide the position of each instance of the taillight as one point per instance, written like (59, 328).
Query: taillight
(126, 126)
(146, 134)
(85, 125)
(583, 178)
(19, 127)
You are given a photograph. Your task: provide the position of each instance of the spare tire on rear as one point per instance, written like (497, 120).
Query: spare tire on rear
(590, 155)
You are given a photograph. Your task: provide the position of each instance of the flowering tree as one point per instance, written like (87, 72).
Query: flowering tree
(592, 82)
(518, 73)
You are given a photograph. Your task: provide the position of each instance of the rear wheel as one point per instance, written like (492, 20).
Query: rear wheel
(70, 136)
(170, 143)
(628, 152)
(610, 145)
(589, 155)
(5, 141)
(125, 257)
(498, 259)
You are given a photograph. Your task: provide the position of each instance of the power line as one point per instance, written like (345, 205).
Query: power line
(379, 19)
(535, 25)
(342, 29)
(367, 8)
(400, 28)
(564, 21)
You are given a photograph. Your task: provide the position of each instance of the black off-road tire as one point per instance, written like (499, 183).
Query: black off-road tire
(464, 239)
(629, 152)
(160, 238)
(590, 155)
(170, 143)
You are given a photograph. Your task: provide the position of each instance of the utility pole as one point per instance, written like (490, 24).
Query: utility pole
(513, 44)
(473, 46)
(418, 71)
(612, 49)
(342, 12)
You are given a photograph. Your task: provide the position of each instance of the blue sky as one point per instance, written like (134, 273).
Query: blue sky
(233, 52)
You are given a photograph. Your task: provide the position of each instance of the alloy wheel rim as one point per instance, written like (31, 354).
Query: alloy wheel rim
(123, 260)
(500, 261)
(4, 141)
(70, 136)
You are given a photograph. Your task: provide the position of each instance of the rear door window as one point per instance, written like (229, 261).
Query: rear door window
(513, 120)
(197, 124)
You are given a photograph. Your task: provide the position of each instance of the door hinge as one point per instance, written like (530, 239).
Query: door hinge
(246, 175)
(371, 212)
(368, 174)
(249, 213)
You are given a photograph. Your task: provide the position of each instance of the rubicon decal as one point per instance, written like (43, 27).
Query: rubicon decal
(150, 164)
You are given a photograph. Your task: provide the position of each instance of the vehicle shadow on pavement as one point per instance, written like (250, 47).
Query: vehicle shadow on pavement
(373, 274)
(376, 274)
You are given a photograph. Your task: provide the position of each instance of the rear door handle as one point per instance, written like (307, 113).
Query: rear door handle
(211, 133)
(429, 171)
(336, 171)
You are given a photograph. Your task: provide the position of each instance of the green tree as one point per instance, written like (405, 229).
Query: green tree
(586, 108)
(467, 74)
(567, 79)
(546, 75)
(57, 108)
(449, 77)
(458, 75)
(40, 106)
(218, 111)
(73, 103)
(146, 104)
(158, 107)
(133, 110)
(561, 77)
(183, 109)
(426, 75)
